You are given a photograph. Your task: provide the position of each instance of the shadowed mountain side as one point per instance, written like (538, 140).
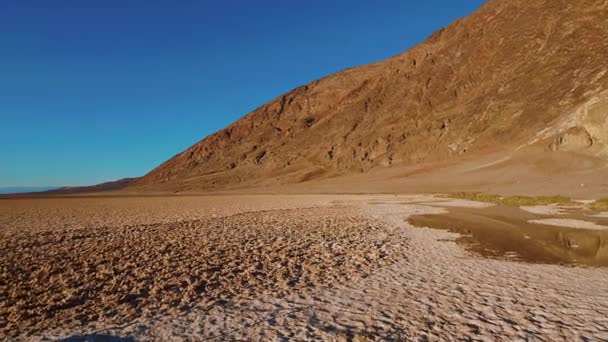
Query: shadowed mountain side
(107, 186)
(24, 189)
(523, 81)
(73, 190)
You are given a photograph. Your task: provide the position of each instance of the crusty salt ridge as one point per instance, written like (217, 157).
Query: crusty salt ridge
(436, 291)
(113, 274)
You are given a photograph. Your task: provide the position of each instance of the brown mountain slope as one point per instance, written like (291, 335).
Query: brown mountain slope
(516, 75)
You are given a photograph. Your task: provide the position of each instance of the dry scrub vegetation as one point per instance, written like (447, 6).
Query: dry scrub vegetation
(515, 201)
(600, 204)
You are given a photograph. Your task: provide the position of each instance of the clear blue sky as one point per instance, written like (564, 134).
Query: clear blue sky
(92, 91)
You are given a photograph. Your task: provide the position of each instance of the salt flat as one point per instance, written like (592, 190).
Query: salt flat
(301, 267)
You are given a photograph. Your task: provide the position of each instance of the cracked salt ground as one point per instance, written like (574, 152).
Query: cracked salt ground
(435, 292)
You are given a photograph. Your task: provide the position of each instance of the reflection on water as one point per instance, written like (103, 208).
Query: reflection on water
(504, 232)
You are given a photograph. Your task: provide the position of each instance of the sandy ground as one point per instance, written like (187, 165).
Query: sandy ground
(273, 268)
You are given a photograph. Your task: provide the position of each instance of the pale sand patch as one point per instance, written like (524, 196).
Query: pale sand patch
(570, 223)
(543, 209)
(404, 199)
(461, 203)
(492, 163)
(601, 215)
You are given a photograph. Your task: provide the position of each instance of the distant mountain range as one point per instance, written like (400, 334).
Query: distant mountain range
(107, 186)
(25, 189)
(65, 190)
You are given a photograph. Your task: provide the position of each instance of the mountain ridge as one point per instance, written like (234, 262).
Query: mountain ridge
(511, 75)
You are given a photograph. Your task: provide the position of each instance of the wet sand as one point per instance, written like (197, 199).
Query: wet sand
(510, 233)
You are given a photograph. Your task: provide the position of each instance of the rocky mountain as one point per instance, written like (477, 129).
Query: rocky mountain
(518, 82)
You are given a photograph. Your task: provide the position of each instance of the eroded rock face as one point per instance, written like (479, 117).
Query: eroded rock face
(574, 139)
(595, 119)
(492, 80)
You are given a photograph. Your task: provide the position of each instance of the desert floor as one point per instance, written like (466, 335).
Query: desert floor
(299, 267)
